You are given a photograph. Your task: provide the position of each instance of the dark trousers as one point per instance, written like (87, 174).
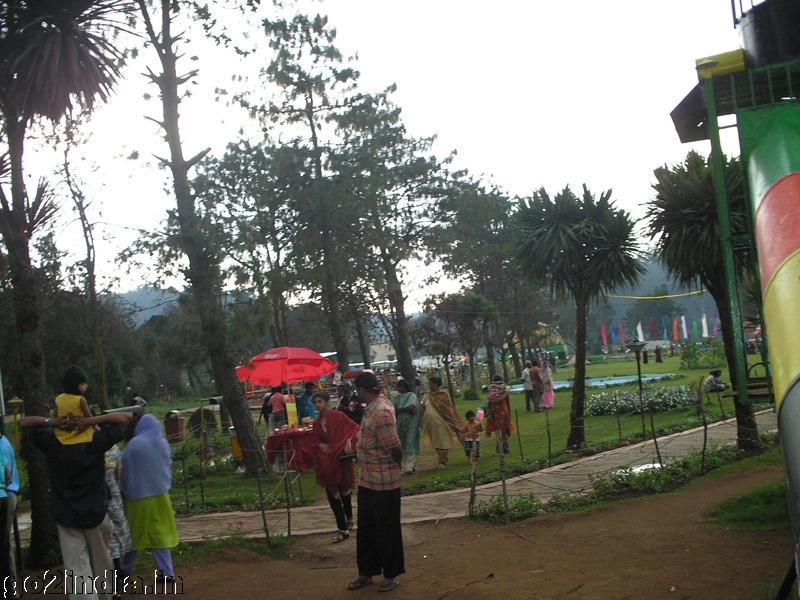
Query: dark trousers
(537, 396)
(342, 508)
(379, 541)
(468, 445)
(528, 399)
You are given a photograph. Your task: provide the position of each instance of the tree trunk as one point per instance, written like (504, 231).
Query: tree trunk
(450, 387)
(746, 427)
(512, 347)
(363, 346)
(402, 342)
(577, 423)
(506, 374)
(31, 383)
(489, 341)
(203, 273)
(473, 382)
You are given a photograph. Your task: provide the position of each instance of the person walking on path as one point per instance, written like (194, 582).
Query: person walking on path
(121, 542)
(335, 439)
(498, 417)
(146, 481)
(537, 385)
(405, 406)
(548, 387)
(80, 500)
(379, 540)
(439, 418)
(527, 385)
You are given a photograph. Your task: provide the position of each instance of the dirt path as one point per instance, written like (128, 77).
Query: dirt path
(648, 548)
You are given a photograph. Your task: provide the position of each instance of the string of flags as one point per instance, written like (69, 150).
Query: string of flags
(678, 330)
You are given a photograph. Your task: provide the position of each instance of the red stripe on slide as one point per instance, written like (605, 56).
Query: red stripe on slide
(778, 226)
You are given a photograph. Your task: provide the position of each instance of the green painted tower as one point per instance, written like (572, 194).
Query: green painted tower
(760, 85)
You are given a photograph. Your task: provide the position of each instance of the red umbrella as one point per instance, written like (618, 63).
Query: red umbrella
(287, 365)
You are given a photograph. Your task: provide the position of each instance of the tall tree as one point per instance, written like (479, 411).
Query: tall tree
(51, 55)
(391, 187)
(684, 222)
(315, 83)
(195, 238)
(582, 247)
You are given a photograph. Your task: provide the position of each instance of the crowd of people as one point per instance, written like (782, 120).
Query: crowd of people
(108, 504)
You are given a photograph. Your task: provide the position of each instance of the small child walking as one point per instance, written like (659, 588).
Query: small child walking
(472, 436)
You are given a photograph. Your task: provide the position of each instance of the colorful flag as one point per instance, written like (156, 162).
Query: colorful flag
(622, 334)
(604, 333)
(653, 333)
(683, 326)
(716, 325)
(664, 323)
(613, 335)
(705, 326)
(675, 335)
(695, 329)
(639, 331)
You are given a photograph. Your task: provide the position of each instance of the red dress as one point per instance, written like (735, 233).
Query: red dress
(333, 474)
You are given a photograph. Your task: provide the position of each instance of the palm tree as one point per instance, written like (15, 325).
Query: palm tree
(683, 221)
(52, 53)
(578, 247)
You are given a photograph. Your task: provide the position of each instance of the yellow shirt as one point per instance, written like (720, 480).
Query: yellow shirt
(69, 405)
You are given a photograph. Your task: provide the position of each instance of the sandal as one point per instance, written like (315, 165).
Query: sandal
(359, 582)
(349, 523)
(341, 537)
(387, 585)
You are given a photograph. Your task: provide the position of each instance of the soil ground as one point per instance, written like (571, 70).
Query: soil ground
(654, 547)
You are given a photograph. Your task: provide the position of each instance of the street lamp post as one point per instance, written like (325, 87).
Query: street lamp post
(637, 346)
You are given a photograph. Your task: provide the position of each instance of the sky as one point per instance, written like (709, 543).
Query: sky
(528, 93)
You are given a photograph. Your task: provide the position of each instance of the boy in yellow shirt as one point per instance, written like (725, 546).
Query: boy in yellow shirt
(72, 404)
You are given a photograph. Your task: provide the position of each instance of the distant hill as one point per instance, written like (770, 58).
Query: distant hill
(695, 305)
(147, 302)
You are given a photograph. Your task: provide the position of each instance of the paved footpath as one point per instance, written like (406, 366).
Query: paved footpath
(573, 477)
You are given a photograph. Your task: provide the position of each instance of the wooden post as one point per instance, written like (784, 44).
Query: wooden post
(263, 510)
(519, 439)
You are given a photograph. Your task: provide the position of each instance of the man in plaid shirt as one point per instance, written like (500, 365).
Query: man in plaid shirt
(379, 540)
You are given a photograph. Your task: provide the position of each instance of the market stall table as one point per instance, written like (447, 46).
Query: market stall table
(284, 443)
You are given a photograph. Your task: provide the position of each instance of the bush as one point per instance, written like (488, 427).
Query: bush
(657, 398)
(471, 395)
(209, 416)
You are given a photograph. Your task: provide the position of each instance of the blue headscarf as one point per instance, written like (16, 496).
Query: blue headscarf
(146, 462)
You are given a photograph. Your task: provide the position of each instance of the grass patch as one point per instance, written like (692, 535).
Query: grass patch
(185, 555)
(762, 508)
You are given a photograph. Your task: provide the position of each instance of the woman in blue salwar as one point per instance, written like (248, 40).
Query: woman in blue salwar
(406, 407)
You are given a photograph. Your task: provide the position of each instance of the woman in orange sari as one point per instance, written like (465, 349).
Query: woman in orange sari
(334, 463)
(498, 418)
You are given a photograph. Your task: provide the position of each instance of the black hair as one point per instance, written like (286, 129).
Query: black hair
(324, 395)
(435, 380)
(276, 389)
(367, 381)
(309, 384)
(403, 384)
(535, 362)
(497, 378)
(470, 414)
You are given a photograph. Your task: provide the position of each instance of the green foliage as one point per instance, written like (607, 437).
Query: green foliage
(194, 426)
(624, 483)
(695, 356)
(471, 395)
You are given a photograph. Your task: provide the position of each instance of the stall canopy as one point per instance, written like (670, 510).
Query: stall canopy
(285, 365)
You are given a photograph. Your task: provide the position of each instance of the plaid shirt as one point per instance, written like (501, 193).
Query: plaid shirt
(377, 437)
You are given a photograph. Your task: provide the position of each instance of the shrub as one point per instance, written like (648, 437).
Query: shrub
(471, 395)
(209, 416)
(657, 398)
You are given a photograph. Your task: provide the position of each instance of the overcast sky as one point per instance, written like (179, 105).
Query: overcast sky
(529, 93)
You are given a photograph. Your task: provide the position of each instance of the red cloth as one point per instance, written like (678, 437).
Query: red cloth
(304, 446)
(499, 416)
(330, 471)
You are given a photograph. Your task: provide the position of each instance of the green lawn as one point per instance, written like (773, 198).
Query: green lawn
(225, 490)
